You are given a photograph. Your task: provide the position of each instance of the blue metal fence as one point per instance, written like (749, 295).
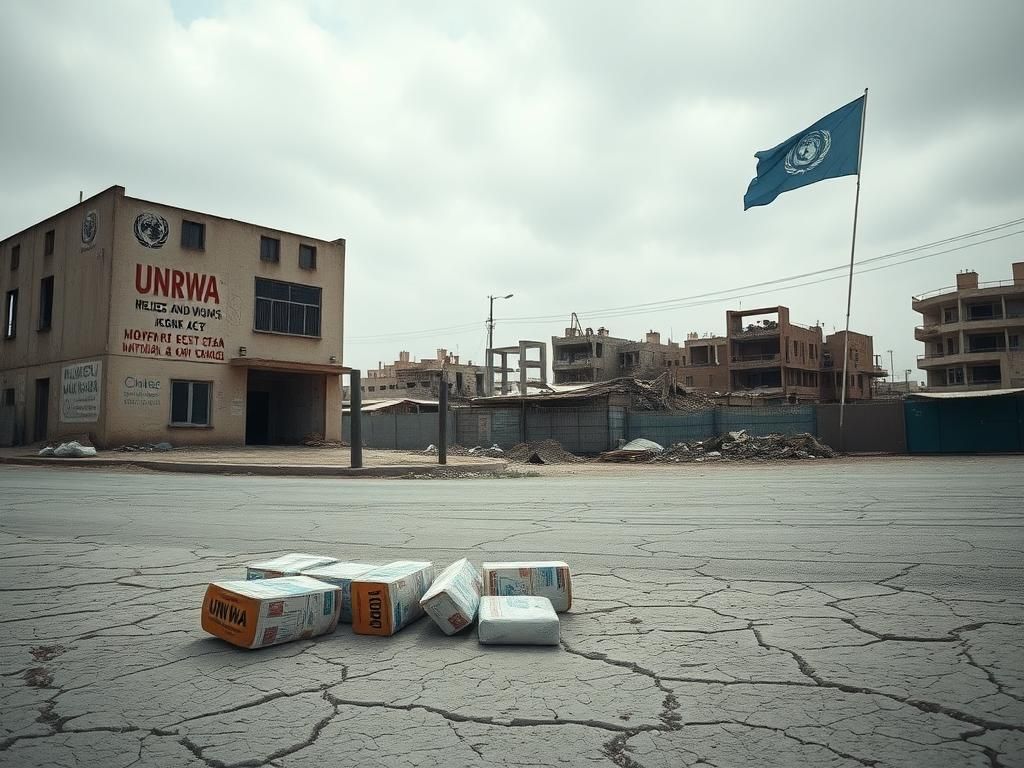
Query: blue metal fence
(669, 427)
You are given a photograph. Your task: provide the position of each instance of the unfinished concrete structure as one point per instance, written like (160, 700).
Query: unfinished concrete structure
(499, 366)
(582, 356)
(769, 352)
(408, 378)
(861, 371)
(972, 333)
(705, 363)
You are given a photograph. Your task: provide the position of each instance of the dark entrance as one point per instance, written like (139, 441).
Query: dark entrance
(284, 408)
(257, 418)
(42, 407)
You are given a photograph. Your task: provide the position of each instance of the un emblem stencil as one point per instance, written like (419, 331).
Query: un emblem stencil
(151, 230)
(808, 152)
(89, 227)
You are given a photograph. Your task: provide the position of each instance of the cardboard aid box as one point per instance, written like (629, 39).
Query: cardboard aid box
(286, 565)
(340, 575)
(388, 598)
(454, 597)
(517, 620)
(550, 579)
(255, 614)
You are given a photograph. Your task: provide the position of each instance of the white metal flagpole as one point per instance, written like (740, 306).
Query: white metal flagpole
(849, 287)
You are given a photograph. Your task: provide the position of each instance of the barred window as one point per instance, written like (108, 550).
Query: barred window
(287, 308)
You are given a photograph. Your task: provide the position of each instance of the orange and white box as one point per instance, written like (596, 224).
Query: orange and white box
(291, 564)
(454, 597)
(550, 579)
(258, 613)
(387, 598)
(341, 575)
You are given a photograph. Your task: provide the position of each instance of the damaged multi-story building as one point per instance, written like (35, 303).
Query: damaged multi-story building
(972, 333)
(408, 378)
(583, 356)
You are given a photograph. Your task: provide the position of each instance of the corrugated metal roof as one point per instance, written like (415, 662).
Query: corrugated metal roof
(964, 395)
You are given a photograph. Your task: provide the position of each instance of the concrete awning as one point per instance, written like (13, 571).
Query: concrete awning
(289, 366)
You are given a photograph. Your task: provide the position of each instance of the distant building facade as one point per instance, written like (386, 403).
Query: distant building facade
(584, 357)
(134, 321)
(408, 378)
(973, 333)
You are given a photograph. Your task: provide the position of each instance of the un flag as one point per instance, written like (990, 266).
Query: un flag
(826, 150)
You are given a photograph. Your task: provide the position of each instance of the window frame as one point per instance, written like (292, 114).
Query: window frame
(186, 225)
(11, 314)
(264, 239)
(311, 250)
(288, 305)
(190, 424)
(45, 320)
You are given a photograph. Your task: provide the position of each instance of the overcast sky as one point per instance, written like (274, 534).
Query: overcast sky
(582, 155)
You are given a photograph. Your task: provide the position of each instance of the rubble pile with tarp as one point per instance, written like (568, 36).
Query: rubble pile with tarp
(635, 450)
(275, 604)
(494, 452)
(733, 446)
(541, 452)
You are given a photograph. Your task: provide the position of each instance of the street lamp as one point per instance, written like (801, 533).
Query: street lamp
(892, 373)
(490, 342)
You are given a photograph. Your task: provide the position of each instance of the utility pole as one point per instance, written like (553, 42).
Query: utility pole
(490, 342)
(906, 376)
(892, 373)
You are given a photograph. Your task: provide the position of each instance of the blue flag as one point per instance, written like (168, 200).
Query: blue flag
(829, 148)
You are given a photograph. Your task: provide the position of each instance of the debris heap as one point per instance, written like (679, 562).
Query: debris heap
(741, 446)
(542, 452)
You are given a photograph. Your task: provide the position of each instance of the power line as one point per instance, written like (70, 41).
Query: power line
(610, 311)
(719, 296)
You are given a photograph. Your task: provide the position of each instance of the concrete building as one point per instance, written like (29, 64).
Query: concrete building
(408, 378)
(973, 333)
(769, 352)
(500, 367)
(704, 364)
(583, 356)
(862, 373)
(136, 321)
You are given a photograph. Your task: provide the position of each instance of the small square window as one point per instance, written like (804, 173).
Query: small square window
(15, 256)
(48, 242)
(190, 403)
(270, 249)
(193, 235)
(307, 256)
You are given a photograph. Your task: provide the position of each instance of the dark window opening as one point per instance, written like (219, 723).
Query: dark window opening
(307, 256)
(193, 235)
(48, 243)
(190, 403)
(8, 397)
(11, 315)
(45, 303)
(287, 308)
(270, 249)
(15, 256)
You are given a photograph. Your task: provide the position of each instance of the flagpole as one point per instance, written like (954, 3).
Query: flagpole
(849, 286)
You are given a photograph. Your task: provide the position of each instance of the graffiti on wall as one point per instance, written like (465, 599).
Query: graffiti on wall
(80, 392)
(180, 318)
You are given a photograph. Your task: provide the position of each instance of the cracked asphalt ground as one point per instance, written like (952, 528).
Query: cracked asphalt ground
(849, 613)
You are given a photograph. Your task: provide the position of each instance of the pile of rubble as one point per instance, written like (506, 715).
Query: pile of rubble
(734, 446)
(316, 440)
(494, 452)
(543, 452)
(144, 447)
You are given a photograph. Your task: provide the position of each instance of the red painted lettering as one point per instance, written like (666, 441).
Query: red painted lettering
(177, 281)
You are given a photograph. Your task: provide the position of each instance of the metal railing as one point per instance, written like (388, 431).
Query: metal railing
(755, 358)
(954, 289)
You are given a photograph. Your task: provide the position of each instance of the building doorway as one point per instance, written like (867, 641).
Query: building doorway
(284, 408)
(42, 410)
(257, 418)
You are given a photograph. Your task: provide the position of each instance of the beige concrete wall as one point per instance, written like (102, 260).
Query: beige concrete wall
(191, 332)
